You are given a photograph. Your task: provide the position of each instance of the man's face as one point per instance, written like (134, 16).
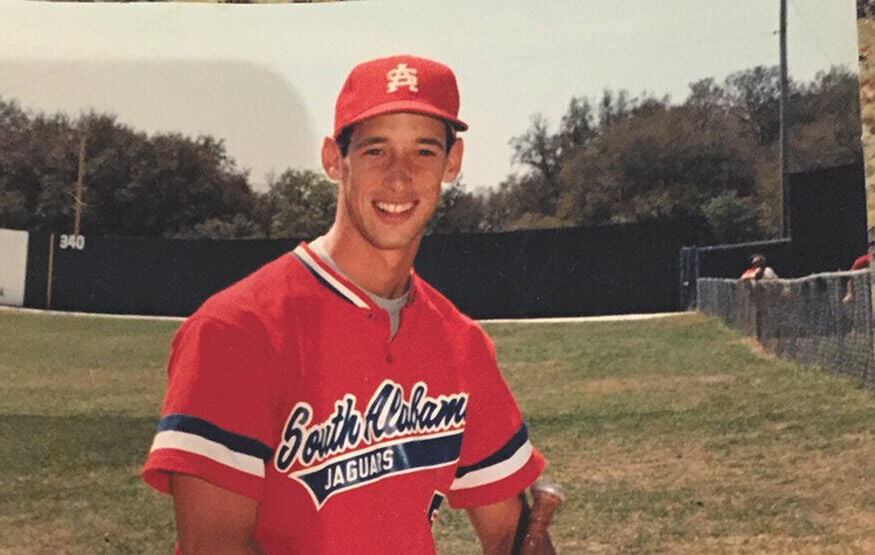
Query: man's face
(390, 179)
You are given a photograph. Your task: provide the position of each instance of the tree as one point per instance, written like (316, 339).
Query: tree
(238, 227)
(734, 219)
(458, 211)
(613, 108)
(15, 208)
(134, 184)
(514, 204)
(538, 149)
(706, 95)
(646, 158)
(50, 157)
(165, 185)
(577, 126)
(659, 161)
(301, 204)
(754, 95)
(826, 128)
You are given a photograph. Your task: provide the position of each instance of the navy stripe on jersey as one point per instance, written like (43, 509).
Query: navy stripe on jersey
(503, 463)
(321, 280)
(355, 469)
(325, 278)
(206, 430)
(520, 438)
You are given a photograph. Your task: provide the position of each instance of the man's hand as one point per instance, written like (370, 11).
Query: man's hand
(212, 520)
(502, 527)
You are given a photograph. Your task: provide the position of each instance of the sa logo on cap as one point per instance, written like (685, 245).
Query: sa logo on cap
(402, 76)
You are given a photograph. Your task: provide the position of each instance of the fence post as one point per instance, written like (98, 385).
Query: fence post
(689, 266)
(757, 311)
(868, 309)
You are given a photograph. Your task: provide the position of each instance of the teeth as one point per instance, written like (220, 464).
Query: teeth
(394, 208)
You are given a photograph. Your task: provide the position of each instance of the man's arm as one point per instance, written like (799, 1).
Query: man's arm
(849, 292)
(496, 525)
(502, 527)
(213, 520)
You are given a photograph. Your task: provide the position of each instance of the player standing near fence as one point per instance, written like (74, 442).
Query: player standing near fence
(330, 401)
(759, 269)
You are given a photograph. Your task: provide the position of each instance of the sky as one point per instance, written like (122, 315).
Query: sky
(264, 78)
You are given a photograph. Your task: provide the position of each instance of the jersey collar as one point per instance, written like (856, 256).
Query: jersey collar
(338, 284)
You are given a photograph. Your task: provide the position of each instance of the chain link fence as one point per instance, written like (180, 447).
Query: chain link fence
(822, 319)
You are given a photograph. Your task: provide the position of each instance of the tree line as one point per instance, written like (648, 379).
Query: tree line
(615, 159)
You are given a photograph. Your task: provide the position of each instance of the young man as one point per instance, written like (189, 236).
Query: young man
(861, 263)
(759, 269)
(330, 401)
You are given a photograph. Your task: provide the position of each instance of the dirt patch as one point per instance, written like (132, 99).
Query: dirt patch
(756, 347)
(657, 468)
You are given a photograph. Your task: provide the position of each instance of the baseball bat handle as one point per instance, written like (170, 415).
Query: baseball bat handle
(546, 498)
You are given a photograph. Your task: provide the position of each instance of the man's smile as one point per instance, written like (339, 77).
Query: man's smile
(394, 208)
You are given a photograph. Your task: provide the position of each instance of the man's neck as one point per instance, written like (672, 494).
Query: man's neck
(383, 272)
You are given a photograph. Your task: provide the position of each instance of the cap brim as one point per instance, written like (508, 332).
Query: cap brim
(408, 106)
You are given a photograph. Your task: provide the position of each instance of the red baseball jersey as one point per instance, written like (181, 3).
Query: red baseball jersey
(288, 388)
(862, 262)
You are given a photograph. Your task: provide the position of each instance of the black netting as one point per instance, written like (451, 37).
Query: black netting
(823, 319)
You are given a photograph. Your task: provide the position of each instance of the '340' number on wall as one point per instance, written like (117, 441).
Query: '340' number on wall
(76, 242)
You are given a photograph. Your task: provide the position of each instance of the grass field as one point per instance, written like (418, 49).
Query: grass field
(672, 435)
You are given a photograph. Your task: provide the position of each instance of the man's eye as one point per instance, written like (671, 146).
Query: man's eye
(427, 152)
(372, 152)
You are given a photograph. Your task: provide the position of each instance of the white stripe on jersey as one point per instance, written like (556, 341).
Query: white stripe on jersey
(343, 289)
(192, 443)
(495, 472)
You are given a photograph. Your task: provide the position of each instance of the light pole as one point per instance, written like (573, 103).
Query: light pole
(80, 184)
(784, 155)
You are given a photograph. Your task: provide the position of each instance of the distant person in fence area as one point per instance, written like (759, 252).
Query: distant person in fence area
(759, 269)
(860, 263)
(329, 402)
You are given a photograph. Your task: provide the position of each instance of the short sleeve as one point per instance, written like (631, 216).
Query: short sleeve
(861, 262)
(215, 423)
(498, 460)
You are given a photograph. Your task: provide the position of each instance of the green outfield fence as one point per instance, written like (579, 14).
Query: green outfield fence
(811, 320)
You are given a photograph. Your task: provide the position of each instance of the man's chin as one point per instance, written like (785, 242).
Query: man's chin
(397, 241)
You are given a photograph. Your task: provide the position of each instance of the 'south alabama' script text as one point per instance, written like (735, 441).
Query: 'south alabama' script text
(392, 434)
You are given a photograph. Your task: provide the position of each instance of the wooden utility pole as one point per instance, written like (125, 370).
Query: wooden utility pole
(80, 184)
(784, 155)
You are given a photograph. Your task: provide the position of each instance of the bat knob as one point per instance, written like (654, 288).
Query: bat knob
(544, 488)
(546, 498)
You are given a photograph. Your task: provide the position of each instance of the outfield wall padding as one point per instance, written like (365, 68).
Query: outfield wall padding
(828, 218)
(36, 279)
(616, 269)
(172, 277)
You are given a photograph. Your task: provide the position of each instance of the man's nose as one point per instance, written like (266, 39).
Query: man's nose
(399, 172)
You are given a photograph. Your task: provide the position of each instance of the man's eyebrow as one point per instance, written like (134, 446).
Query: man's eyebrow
(368, 141)
(430, 141)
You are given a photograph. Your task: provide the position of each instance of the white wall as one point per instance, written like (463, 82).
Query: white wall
(13, 266)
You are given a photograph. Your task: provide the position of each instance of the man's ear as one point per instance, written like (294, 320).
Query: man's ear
(454, 161)
(332, 159)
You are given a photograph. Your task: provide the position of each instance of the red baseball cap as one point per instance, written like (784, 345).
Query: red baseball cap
(398, 84)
